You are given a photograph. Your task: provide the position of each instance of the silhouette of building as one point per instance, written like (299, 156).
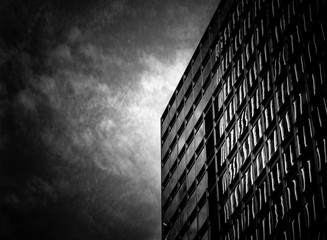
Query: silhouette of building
(243, 138)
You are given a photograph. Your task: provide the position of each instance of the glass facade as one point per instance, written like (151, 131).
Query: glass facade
(244, 136)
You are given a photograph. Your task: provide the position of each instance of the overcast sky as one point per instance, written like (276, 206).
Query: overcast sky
(83, 84)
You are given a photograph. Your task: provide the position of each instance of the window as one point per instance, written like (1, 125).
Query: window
(199, 163)
(292, 191)
(219, 100)
(275, 176)
(202, 216)
(272, 144)
(252, 75)
(240, 94)
(231, 140)
(226, 180)
(190, 176)
(245, 149)
(283, 91)
(298, 106)
(233, 168)
(257, 132)
(239, 66)
(303, 137)
(321, 151)
(242, 122)
(254, 103)
(249, 178)
(278, 210)
(269, 114)
(181, 166)
(202, 186)
(264, 193)
(263, 57)
(285, 125)
(229, 113)
(260, 161)
(266, 86)
(306, 175)
(221, 127)
(289, 158)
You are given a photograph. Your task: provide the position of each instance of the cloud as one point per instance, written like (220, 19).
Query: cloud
(80, 114)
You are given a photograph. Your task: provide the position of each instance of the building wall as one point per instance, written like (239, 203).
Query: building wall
(244, 150)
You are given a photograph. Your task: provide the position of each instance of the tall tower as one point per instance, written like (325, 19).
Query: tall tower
(244, 135)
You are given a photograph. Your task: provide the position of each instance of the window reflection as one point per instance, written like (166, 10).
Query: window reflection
(242, 122)
(260, 161)
(257, 132)
(240, 94)
(254, 103)
(288, 158)
(252, 75)
(265, 85)
(272, 144)
(275, 177)
(269, 114)
(285, 125)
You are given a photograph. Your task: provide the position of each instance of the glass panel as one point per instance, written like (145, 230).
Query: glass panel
(269, 114)
(201, 188)
(254, 103)
(266, 85)
(203, 214)
(272, 144)
(285, 125)
(193, 229)
(199, 163)
(257, 132)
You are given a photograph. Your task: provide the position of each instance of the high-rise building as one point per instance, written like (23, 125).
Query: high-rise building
(244, 136)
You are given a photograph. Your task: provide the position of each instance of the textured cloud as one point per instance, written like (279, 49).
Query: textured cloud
(83, 85)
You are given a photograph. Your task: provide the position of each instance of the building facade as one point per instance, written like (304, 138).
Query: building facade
(244, 136)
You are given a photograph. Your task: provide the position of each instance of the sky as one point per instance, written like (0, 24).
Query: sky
(83, 84)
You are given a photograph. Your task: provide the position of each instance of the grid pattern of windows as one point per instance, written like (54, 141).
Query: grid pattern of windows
(244, 136)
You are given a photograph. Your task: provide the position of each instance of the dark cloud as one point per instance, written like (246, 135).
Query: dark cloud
(83, 84)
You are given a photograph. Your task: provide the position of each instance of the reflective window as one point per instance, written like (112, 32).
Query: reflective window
(306, 175)
(285, 125)
(199, 162)
(202, 216)
(230, 111)
(303, 137)
(260, 161)
(190, 176)
(242, 122)
(199, 135)
(239, 66)
(240, 94)
(275, 176)
(266, 85)
(263, 194)
(272, 144)
(321, 151)
(249, 178)
(245, 149)
(283, 91)
(252, 75)
(289, 158)
(201, 188)
(192, 231)
(269, 114)
(263, 57)
(292, 191)
(257, 132)
(278, 210)
(231, 140)
(254, 103)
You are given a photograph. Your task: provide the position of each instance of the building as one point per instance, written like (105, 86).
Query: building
(244, 152)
